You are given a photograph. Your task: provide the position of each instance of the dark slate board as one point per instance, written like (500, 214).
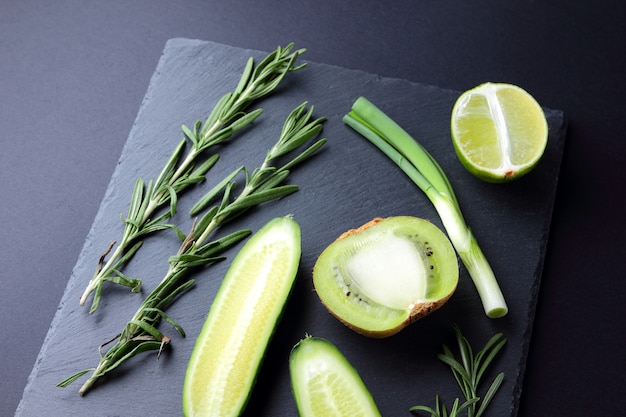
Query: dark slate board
(345, 185)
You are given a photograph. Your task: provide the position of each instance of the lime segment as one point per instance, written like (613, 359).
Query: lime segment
(499, 131)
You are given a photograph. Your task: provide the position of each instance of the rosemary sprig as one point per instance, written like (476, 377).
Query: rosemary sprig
(468, 373)
(140, 334)
(227, 117)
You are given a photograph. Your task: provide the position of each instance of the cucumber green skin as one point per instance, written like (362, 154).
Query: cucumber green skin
(269, 325)
(313, 351)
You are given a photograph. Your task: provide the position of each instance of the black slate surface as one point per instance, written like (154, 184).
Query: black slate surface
(345, 185)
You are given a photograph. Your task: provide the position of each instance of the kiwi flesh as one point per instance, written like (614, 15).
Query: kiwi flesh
(386, 274)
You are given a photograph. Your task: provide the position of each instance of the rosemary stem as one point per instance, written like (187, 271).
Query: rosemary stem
(219, 218)
(92, 379)
(96, 279)
(208, 231)
(152, 206)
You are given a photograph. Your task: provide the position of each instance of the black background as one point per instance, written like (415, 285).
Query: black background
(73, 74)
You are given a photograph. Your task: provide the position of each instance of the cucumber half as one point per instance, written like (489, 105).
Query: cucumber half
(325, 384)
(241, 321)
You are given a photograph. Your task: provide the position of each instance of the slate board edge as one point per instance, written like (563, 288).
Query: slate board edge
(561, 134)
(98, 216)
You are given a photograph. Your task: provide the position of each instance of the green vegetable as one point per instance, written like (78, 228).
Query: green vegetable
(227, 117)
(468, 373)
(325, 384)
(242, 318)
(264, 184)
(426, 173)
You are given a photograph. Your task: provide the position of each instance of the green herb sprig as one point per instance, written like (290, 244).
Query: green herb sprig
(468, 372)
(140, 334)
(180, 172)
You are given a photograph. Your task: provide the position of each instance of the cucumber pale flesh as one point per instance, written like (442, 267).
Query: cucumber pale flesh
(230, 348)
(325, 384)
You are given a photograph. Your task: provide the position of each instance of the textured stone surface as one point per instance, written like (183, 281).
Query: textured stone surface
(344, 186)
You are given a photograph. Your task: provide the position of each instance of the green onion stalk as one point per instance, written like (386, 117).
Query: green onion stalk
(425, 172)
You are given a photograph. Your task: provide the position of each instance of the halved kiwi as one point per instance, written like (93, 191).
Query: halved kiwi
(386, 274)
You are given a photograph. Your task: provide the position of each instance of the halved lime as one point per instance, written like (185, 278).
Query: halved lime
(499, 131)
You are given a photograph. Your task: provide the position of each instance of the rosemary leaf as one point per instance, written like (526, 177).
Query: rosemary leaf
(207, 218)
(77, 375)
(259, 197)
(273, 181)
(132, 283)
(304, 155)
(152, 227)
(491, 349)
(129, 254)
(147, 328)
(139, 346)
(168, 319)
(210, 196)
(491, 392)
(175, 293)
(189, 134)
(170, 166)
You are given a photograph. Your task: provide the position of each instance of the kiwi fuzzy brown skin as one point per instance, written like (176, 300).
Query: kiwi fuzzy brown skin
(420, 308)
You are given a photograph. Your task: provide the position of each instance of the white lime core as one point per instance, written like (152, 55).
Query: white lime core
(389, 271)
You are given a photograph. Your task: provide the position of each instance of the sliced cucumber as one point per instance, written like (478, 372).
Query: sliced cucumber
(325, 384)
(240, 323)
